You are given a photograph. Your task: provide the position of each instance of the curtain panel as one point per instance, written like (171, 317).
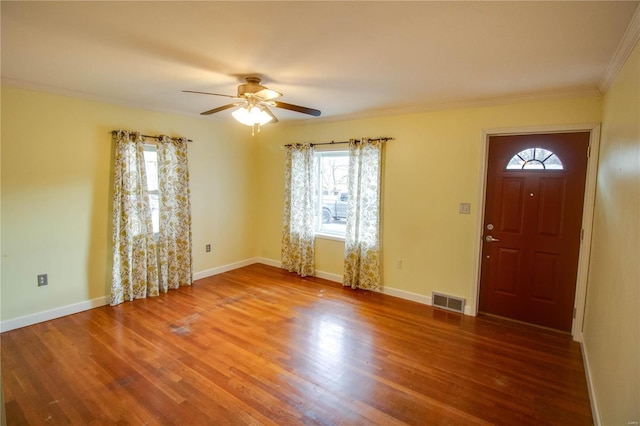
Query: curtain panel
(298, 219)
(175, 238)
(143, 266)
(135, 270)
(362, 240)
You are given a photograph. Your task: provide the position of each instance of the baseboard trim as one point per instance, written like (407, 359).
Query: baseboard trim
(224, 268)
(330, 277)
(391, 291)
(269, 262)
(419, 298)
(407, 295)
(62, 311)
(26, 320)
(595, 413)
(320, 274)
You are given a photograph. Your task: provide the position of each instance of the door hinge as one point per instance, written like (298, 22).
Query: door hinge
(574, 313)
(589, 151)
(582, 234)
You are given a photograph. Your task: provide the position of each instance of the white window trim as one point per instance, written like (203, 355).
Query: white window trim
(328, 151)
(328, 236)
(153, 148)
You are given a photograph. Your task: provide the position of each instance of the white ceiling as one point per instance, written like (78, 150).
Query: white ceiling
(345, 58)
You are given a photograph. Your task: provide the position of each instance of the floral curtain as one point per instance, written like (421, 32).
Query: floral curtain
(174, 239)
(297, 231)
(362, 241)
(135, 271)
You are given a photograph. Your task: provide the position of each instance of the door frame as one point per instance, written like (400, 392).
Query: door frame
(587, 211)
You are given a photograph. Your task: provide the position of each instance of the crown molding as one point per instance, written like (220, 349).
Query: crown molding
(383, 112)
(625, 47)
(458, 104)
(74, 94)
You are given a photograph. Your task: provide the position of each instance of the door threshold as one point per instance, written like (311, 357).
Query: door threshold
(542, 327)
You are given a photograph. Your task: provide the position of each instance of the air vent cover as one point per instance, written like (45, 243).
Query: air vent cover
(450, 303)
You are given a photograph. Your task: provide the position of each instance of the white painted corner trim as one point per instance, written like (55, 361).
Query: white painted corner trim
(595, 413)
(625, 47)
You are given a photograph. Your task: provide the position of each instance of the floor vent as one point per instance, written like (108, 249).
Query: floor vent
(450, 303)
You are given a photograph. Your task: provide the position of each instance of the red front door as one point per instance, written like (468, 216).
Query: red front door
(532, 225)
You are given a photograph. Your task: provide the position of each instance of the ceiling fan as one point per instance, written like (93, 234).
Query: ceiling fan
(253, 100)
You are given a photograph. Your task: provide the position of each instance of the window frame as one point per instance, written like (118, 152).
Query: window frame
(153, 148)
(318, 155)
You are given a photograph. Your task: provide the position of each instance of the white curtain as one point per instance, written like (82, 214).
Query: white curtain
(174, 238)
(298, 219)
(362, 241)
(135, 270)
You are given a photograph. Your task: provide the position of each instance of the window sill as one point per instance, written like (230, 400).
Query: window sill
(332, 237)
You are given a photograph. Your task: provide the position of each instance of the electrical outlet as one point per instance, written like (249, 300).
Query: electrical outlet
(465, 208)
(207, 248)
(42, 280)
(398, 263)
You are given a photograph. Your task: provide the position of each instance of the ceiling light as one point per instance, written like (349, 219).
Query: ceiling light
(252, 115)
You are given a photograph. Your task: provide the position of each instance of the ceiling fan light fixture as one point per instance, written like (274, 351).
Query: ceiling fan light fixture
(251, 115)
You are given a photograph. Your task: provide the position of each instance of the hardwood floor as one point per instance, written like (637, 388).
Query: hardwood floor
(259, 345)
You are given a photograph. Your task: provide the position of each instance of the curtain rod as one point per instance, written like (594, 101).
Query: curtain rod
(113, 132)
(343, 142)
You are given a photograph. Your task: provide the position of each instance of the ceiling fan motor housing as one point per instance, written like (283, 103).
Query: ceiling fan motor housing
(253, 89)
(252, 86)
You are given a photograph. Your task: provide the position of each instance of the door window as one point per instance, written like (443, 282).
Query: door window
(535, 159)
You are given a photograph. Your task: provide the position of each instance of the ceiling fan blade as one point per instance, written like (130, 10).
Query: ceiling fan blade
(296, 108)
(274, 119)
(222, 108)
(207, 93)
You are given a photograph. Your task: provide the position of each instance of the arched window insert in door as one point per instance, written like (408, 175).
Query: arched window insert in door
(535, 159)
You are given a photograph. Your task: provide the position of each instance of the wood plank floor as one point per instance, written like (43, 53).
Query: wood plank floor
(259, 345)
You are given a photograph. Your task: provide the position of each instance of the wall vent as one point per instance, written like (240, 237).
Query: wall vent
(445, 301)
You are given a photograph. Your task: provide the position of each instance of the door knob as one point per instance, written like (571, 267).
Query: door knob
(490, 239)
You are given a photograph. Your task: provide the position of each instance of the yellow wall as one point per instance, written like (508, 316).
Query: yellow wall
(612, 316)
(56, 191)
(433, 164)
(56, 194)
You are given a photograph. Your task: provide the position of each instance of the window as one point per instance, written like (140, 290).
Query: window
(331, 183)
(151, 167)
(535, 159)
